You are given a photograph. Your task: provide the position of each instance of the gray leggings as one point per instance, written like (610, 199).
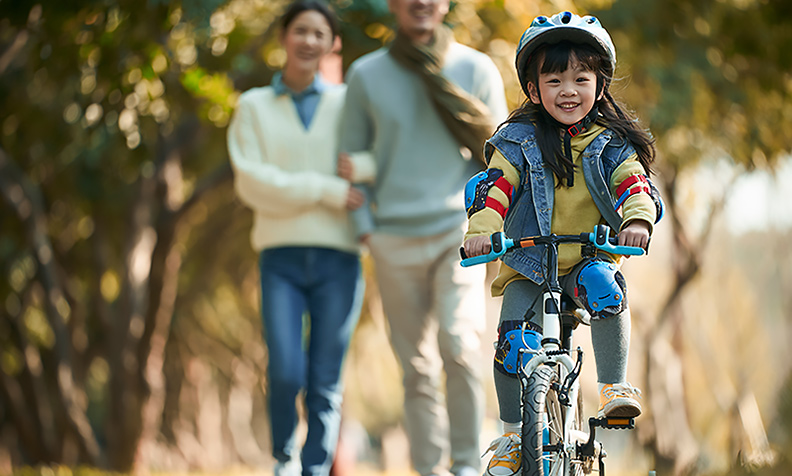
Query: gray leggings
(610, 339)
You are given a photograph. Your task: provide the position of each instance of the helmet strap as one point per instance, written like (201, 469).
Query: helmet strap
(572, 131)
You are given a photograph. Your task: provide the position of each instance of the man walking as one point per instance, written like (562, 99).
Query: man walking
(423, 107)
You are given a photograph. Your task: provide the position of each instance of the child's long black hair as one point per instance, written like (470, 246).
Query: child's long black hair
(555, 58)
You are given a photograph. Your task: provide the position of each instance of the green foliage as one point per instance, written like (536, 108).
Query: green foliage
(96, 97)
(365, 26)
(719, 71)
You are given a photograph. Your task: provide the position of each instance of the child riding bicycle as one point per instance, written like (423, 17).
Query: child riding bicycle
(568, 159)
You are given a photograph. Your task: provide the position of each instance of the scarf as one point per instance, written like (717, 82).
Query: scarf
(465, 116)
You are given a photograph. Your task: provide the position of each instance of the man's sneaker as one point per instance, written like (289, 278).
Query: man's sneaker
(619, 401)
(291, 467)
(506, 459)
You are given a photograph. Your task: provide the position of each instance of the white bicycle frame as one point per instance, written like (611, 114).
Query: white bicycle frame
(551, 337)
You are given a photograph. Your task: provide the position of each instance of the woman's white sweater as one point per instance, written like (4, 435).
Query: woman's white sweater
(286, 174)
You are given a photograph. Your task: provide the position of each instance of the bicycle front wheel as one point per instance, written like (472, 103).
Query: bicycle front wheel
(543, 429)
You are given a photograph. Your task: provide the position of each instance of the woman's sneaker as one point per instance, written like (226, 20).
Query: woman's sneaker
(506, 458)
(618, 400)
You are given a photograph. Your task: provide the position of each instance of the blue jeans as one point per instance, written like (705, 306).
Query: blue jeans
(308, 354)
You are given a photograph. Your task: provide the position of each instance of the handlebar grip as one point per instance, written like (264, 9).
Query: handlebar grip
(602, 240)
(625, 250)
(480, 259)
(499, 246)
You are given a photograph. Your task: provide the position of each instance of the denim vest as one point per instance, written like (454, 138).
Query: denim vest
(531, 209)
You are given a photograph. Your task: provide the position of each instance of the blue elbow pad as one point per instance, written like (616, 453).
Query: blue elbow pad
(478, 187)
(640, 184)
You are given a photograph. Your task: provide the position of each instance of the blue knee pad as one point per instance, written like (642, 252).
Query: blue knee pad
(509, 345)
(602, 289)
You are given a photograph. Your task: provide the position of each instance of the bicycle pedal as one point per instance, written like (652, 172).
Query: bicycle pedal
(615, 423)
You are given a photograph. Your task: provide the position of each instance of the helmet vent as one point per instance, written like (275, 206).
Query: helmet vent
(562, 26)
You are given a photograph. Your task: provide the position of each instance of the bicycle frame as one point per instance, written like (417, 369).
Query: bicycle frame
(553, 352)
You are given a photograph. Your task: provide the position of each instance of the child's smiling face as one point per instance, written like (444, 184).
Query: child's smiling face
(566, 95)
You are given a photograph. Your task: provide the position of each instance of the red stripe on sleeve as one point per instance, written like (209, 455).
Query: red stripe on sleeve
(497, 206)
(505, 187)
(629, 182)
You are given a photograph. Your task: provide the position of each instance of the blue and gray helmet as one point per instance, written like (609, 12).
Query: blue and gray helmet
(559, 27)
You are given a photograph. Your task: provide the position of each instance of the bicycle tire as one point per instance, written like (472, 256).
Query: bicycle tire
(542, 410)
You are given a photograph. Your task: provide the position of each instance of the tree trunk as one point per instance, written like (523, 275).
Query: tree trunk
(151, 299)
(27, 201)
(670, 437)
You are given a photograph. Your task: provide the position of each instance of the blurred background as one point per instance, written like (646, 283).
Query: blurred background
(129, 328)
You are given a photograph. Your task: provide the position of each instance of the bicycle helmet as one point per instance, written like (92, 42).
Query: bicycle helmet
(559, 27)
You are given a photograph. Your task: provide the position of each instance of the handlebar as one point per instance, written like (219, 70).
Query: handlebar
(600, 238)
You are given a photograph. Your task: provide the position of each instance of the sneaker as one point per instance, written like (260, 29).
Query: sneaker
(291, 467)
(506, 459)
(618, 400)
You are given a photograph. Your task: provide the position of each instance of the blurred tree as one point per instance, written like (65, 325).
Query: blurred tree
(112, 139)
(712, 80)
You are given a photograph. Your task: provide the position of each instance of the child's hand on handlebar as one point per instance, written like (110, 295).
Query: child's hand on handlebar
(636, 233)
(477, 245)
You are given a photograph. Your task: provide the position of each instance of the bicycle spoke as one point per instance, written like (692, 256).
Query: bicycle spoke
(554, 424)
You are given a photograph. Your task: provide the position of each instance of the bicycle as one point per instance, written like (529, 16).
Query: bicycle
(553, 442)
